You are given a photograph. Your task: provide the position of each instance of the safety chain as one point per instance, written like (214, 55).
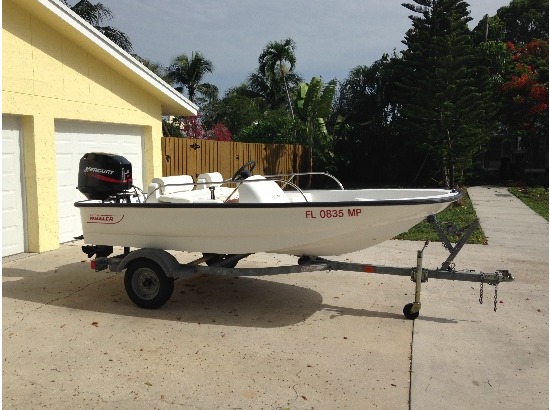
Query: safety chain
(482, 277)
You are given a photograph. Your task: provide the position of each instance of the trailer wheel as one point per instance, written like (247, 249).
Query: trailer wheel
(407, 312)
(147, 285)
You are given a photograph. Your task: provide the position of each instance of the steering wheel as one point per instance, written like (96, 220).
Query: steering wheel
(239, 174)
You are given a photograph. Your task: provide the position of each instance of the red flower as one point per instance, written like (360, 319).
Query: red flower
(539, 92)
(221, 132)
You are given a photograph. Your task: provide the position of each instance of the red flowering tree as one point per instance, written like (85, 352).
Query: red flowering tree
(525, 93)
(191, 127)
(219, 132)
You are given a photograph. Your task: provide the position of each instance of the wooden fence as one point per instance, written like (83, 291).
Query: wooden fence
(184, 156)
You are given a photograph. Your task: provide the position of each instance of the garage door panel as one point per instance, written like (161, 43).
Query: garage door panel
(8, 163)
(13, 224)
(73, 140)
(9, 203)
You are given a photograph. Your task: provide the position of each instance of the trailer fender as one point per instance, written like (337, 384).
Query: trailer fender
(168, 263)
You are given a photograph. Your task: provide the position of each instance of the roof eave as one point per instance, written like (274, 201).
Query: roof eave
(172, 102)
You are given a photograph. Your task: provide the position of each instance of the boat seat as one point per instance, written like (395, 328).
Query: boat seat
(172, 184)
(188, 199)
(170, 190)
(167, 185)
(261, 192)
(210, 179)
(199, 196)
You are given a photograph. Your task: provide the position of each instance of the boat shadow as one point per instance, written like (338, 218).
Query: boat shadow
(205, 299)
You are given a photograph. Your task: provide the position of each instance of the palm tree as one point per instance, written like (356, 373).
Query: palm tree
(156, 68)
(269, 90)
(95, 14)
(277, 61)
(313, 106)
(188, 72)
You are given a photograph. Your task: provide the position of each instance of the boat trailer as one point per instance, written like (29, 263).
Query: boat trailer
(150, 273)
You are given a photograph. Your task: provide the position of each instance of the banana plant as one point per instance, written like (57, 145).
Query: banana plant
(313, 105)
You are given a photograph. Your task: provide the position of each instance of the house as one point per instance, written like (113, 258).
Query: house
(68, 90)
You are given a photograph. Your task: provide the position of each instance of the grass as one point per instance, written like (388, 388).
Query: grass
(460, 213)
(534, 198)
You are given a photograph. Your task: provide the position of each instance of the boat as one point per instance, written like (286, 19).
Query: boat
(244, 214)
(228, 219)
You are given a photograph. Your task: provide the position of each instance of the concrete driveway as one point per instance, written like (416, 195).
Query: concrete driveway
(319, 340)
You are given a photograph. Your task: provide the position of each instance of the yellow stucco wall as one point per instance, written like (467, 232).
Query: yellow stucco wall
(46, 76)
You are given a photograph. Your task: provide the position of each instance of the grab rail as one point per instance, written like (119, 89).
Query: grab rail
(295, 174)
(285, 179)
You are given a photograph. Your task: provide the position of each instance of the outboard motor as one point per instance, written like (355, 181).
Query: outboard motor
(101, 175)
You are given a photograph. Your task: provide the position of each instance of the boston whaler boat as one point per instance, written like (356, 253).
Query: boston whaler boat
(227, 220)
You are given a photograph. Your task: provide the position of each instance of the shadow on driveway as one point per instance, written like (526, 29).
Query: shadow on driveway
(241, 302)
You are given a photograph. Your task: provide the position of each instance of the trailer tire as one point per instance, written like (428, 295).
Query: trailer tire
(407, 312)
(147, 285)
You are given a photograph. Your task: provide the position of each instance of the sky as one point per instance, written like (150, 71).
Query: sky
(331, 36)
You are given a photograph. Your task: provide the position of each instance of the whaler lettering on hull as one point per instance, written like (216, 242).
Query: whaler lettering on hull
(104, 219)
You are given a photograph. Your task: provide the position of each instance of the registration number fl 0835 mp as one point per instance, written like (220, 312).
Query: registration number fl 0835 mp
(332, 213)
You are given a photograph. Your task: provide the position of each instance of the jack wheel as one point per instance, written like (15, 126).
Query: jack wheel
(407, 312)
(147, 285)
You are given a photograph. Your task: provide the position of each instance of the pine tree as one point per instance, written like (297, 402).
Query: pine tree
(446, 109)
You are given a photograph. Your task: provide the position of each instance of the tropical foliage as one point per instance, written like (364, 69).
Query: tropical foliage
(313, 106)
(444, 92)
(525, 94)
(424, 115)
(367, 146)
(524, 20)
(96, 14)
(276, 62)
(274, 127)
(188, 72)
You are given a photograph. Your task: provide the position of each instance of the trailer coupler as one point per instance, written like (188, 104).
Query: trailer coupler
(420, 275)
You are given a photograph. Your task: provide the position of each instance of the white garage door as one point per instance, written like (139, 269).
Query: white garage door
(73, 139)
(13, 225)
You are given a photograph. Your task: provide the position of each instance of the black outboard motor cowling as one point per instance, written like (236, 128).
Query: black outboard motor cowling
(102, 175)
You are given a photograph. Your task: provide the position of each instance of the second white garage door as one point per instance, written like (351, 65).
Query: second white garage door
(13, 221)
(73, 139)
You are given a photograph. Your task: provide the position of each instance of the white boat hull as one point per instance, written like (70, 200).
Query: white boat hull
(333, 223)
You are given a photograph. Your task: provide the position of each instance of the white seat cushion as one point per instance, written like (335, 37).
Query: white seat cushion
(263, 191)
(187, 199)
(199, 195)
(211, 179)
(169, 185)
